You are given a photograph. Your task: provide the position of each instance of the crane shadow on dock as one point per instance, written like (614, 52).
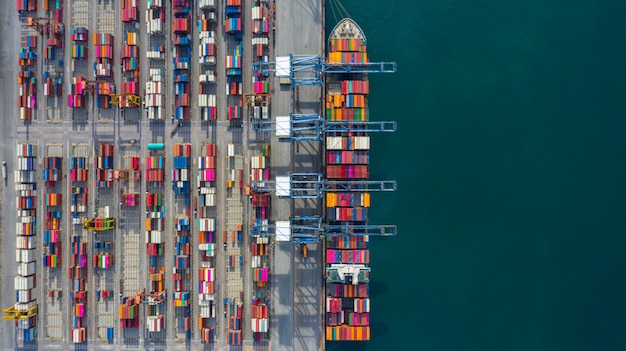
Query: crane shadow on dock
(210, 129)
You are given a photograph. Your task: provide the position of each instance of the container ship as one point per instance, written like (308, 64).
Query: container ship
(347, 158)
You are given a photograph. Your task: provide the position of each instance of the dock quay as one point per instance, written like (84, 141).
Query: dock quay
(166, 176)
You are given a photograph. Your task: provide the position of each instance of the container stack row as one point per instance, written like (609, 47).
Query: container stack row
(78, 93)
(79, 196)
(260, 29)
(260, 260)
(234, 84)
(206, 33)
(77, 270)
(233, 243)
(54, 31)
(207, 99)
(79, 49)
(181, 34)
(52, 235)
(129, 58)
(130, 11)
(25, 281)
(28, 51)
(104, 165)
(206, 176)
(130, 197)
(129, 313)
(155, 240)
(155, 17)
(53, 83)
(206, 239)
(235, 333)
(102, 93)
(155, 169)
(182, 240)
(26, 5)
(26, 80)
(232, 22)
(206, 282)
(155, 95)
(103, 46)
(260, 49)
(181, 173)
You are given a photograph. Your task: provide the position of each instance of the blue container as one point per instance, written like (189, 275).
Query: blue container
(109, 333)
(155, 146)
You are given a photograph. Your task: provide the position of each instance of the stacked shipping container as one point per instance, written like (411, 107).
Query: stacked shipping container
(129, 57)
(25, 280)
(52, 173)
(259, 170)
(233, 72)
(103, 46)
(182, 239)
(155, 239)
(181, 27)
(154, 99)
(206, 241)
(27, 94)
(130, 11)
(155, 17)
(207, 100)
(53, 83)
(104, 166)
(78, 93)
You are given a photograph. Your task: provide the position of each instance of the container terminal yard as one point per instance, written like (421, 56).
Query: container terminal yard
(185, 175)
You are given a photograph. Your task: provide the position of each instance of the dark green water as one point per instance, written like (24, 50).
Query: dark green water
(511, 162)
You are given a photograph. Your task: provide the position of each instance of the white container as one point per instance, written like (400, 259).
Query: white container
(262, 240)
(207, 309)
(26, 255)
(25, 306)
(204, 4)
(25, 296)
(155, 323)
(26, 268)
(255, 261)
(24, 283)
(154, 237)
(260, 325)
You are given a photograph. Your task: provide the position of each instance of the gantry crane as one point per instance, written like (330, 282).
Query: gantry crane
(304, 70)
(154, 298)
(11, 313)
(303, 127)
(310, 229)
(252, 99)
(98, 224)
(45, 26)
(128, 99)
(313, 186)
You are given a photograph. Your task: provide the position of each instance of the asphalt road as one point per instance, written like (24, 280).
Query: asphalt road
(9, 48)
